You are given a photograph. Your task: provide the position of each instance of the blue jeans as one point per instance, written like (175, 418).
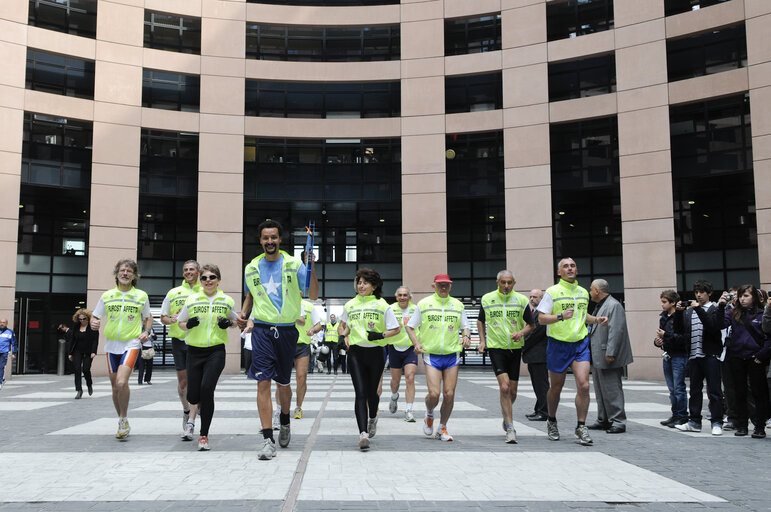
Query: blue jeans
(3, 362)
(708, 368)
(674, 374)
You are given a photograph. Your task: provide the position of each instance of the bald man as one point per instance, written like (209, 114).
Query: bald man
(534, 355)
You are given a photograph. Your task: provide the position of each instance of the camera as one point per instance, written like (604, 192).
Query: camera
(730, 296)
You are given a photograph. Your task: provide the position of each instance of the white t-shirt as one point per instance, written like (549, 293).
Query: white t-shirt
(546, 305)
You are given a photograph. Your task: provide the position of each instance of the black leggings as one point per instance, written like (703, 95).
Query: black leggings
(81, 362)
(366, 366)
(204, 366)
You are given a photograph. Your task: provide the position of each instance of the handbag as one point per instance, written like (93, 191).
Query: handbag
(148, 353)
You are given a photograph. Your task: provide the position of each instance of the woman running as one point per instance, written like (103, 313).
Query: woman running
(206, 316)
(365, 322)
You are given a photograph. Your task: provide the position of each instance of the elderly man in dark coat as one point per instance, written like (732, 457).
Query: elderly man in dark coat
(611, 351)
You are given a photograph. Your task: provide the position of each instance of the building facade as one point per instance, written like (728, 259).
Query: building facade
(426, 136)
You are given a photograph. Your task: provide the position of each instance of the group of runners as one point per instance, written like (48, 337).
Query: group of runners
(279, 324)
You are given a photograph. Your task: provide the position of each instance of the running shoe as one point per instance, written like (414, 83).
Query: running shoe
(298, 413)
(187, 434)
(364, 441)
(203, 444)
(428, 426)
(409, 417)
(582, 434)
(717, 429)
(511, 435)
(689, 427)
(372, 426)
(284, 435)
(268, 450)
(276, 419)
(185, 418)
(394, 404)
(443, 435)
(552, 431)
(123, 428)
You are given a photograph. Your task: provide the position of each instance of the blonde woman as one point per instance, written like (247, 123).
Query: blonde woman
(82, 341)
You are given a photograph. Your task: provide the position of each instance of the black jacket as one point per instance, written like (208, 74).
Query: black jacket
(91, 339)
(674, 339)
(534, 350)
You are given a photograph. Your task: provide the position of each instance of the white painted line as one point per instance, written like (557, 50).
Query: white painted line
(394, 425)
(251, 405)
(27, 406)
(60, 395)
(220, 426)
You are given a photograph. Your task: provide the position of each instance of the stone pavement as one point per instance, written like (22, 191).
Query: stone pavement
(60, 454)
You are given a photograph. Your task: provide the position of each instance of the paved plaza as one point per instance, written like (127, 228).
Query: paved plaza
(61, 454)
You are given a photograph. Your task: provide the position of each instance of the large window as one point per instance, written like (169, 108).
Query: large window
(72, 16)
(59, 74)
(586, 198)
(572, 18)
(476, 220)
(322, 99)
(583, 77)
(168, 206)
(708, 53)
(472, 93)
(472, 35)
(714, 194)
(53, 205)
(322, 44)
(677, 6)
(172, 32)
(351, 188)
(171, 91)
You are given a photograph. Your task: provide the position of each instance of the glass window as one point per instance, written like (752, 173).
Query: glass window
(56, 151)
(472, 93)
(71, 16)
(322, 44)
(707, 53)
(322, 99)
(172, 32)
(472, 35)
(586, 198)
(351, 188)
(677, 6)
(714, 192)
(572, 18)
(59, 74)
(170, 91)
(582, 78)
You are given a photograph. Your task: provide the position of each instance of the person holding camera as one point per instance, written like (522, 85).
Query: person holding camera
(671, 339)
(206, 316)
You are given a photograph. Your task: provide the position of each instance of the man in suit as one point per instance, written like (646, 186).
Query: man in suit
(611, 351)
(534, 354)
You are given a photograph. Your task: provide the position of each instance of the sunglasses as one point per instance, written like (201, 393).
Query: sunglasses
(208, 278)
(81, 319)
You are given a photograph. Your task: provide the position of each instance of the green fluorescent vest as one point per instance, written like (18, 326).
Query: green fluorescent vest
(440, 321)
(566, 296)
(402, 339)
(263, 309)
(366, 314)
(208, 333)
(330, 333)
(124, 313)
(177, 297)
(503, 317)
(307, 308)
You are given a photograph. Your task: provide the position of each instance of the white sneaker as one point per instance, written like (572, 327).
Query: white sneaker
(443, 435)
(428, 426)
(372, 426)
(276, 419)
(511, 435)
(268, 450)
(409, 417)
(203, 444)
(717, 430)
(123, 428)
(364, 441)
(394, 404)
(187, 434)
(690, 427)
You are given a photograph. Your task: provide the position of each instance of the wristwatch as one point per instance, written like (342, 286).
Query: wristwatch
(560, 317)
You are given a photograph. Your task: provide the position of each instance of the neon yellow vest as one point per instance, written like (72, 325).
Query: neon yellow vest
(366, 314)
(177, 297)
(307, 308)
(503, 317)
(263, 309)
(440, 323)
(566, 295)
(401, 339)
(330, 333)
(123, 313)
(208, 333)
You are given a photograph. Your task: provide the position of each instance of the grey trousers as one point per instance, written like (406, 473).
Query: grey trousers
(609, 395)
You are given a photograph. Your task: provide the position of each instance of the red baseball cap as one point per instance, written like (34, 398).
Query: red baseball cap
(442, 278)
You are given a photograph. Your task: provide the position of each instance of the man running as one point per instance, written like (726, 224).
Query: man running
(563, 310)
(172, 305)
(307, 325)
(274, 302)
(401, 355)
(127, 326)
(504, 320)
(439, 319)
